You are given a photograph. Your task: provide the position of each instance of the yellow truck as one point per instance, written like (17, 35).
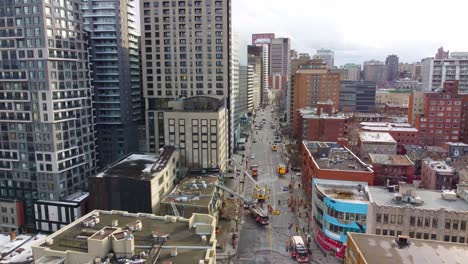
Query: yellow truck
(274, 147)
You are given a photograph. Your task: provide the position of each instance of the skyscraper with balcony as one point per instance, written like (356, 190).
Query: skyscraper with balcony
(116, 76)
(186, 50)
(47, 147)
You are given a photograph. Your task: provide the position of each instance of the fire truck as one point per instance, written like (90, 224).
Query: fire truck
(299, 250)
(281, 169)
(254, 170)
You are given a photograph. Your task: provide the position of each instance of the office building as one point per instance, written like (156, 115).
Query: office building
(314, 83)
(264, 40)
(391, 64)
(327, 56)
(116, 76)
(377, 143)
(354, 71)
(367, 249)
(47, 119)
(194, 194)
(234, 90)
(136, 183)
(331, 161)
(102, 235)
(391, 169)
(418, 213)
(442, 116)
(338, 207)
(245, 102)
(254, 58)
(438, 175)
(449, 70)
(391, 96)
(357, 96)
(186, 50)
(374, 70)
(280, 63)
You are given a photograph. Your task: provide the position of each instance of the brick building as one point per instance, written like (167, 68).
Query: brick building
(313, 83)
(442, 116)
(376, 142)
(391, 169)
(328, 160)
(438, 175)
(403, 133)
(320, 124)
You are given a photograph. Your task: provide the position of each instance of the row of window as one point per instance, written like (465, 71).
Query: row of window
(420, 235)
(420, 221)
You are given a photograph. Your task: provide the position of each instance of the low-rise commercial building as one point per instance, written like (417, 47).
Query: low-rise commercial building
(338, 207)
(135, 183)
(370, 249)
(50, 216)
(377, 143)
(193, 195)
(437, 175)
(101, 235)
(417, 213)
(329, 160)
(391, 169)
(402, 133)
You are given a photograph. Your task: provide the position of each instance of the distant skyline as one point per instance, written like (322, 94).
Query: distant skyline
(357, 30)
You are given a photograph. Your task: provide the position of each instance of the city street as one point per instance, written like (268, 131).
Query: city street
(267, 244)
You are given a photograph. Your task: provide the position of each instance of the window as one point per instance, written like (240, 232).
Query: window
(455, 225)
(412, 220)
(427, 221)
(463, 225)
(433, 237)
(392, 219)
(400, 219)
(420, 221)
(434, 223)
(385, 219)
(385, 232)
(447, 223)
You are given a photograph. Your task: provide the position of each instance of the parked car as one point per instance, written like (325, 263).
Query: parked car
(252, 156)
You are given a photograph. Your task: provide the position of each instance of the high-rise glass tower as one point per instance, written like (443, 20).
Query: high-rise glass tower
(116, 76)
(47, 143)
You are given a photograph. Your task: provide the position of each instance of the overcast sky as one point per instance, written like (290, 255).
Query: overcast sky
(357, 30)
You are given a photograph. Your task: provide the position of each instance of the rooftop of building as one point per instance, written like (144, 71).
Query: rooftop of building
(311, 112)
(456, 144)
(182, 234)
(376, 137)
(438, 165)
(343, 190)
(141, 166)
(384, 250)
(194, 191)
(383, 126)
(394, 91)
(387, 159)
(431, 199)
(19, 249)
(331, 156)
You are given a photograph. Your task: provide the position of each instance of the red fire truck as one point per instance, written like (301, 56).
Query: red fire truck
(299, 250)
